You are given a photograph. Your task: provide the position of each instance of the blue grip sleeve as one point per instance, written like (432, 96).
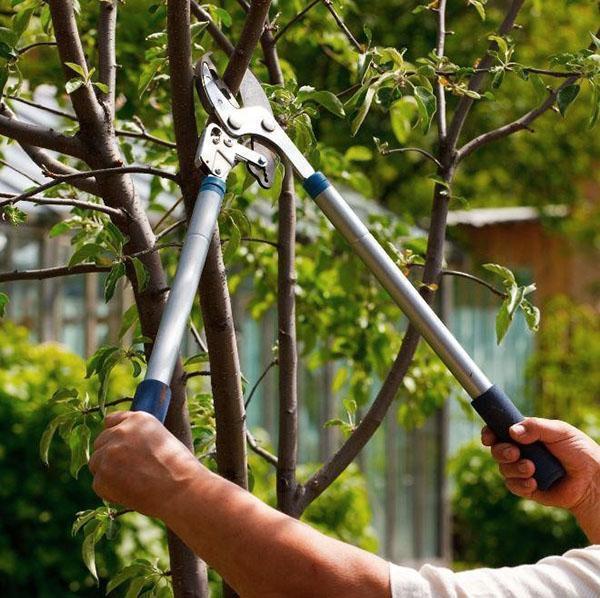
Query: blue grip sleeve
(152, 396)
(500, 413)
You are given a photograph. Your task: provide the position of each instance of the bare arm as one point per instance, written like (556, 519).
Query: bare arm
(258, 550)
(579, 491)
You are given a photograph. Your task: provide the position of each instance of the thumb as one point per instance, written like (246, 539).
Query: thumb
(545, 430)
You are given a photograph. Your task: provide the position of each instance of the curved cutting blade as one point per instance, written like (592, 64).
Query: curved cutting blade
(220, 102)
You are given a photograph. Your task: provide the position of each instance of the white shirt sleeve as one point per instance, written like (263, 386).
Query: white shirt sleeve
(576, 574)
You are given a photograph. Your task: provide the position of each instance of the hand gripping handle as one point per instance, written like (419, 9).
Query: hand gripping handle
(500, 413)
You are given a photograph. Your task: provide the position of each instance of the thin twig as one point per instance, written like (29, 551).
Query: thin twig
(39, 106)
(168, 213)
(171, 228)
(294, 20)
(65, 178)
(471, 277)
(257, 383)
(19, 171)
(188, 375)
(343, 26)
(418, 150)
(198, 338)
(76, 203)
(110, 404)
(261, 452)
(146, 137)
(26, 49)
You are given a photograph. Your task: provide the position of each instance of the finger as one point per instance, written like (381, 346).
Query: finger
(116, 417)
(545, 430)
(523, 488)
(504, 452)
(522, 469)
(488, 438)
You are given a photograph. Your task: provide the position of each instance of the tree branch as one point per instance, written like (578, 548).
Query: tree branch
(418, 150)
(107, 60)
(86, 205)
(84, 101)
(261, 452)
(343, 26)
(465, 103)
(100, 173)
(220, 38)
(55, 272)
(25, 133)
(39, 106)
(29, 47)
(272, 364)
(440, 92)
(295, 20)
(19, 171)
(146, 137)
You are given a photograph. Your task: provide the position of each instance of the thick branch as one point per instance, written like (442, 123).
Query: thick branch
(465, 103)
(107, 60)
(440, 92)
(287, 449)
(251, 33)
(28, 134)
(70, 49)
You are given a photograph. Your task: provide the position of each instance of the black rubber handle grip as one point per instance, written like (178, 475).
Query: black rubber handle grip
(500, 413)
(152, 396)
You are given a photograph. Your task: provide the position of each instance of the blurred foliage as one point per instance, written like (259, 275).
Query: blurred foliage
(564, 376)
(492, 527)
(38, 554)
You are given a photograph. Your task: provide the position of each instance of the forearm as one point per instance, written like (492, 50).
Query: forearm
(264, 553)
(588, 518)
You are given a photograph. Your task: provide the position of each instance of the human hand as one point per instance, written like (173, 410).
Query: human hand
(578, 491)
(138, 463)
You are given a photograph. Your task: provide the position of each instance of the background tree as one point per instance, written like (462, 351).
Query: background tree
(109, 132)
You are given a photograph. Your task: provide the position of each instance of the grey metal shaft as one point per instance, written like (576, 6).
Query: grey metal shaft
(449, 350)
(185, 286)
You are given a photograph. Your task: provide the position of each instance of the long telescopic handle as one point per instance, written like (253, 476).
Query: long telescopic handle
(490, 402)
(153, 394)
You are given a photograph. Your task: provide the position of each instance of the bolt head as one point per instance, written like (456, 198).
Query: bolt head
(234, 121)
(228, 142)
(217, 171)
(268, 124)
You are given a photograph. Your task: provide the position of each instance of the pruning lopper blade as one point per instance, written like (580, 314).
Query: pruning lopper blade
(213, 91)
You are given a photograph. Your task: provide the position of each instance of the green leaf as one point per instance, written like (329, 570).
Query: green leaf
(233, 243)
(532, 315)
(82, 518)
(403, 113)
(141, 274)
(566, 96)
(427, 105)
(538, 85)
(595, 106)
(116, 272)
(48, 434)
(135, 587)
(339, 379)
(325, 98)
(500, 42)
(59, 229)
(3, 80)
(20, 22)
(358, 153)
(103, 87)
(73, 85)
(79, 443)
(479, 7)
(505, 274)
(364, 110)
(7, 52)
(130, 317)
(350, 406)
(3, 303)
(87, 252)
(64, 395)
(77, 68)
(93, 531)
(125, 574)
(503, 320)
